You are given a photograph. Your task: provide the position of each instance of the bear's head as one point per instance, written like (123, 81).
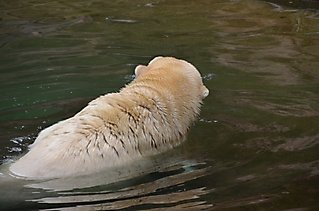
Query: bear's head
(182, 67)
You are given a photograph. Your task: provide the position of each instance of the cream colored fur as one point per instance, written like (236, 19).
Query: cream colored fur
(148, 116)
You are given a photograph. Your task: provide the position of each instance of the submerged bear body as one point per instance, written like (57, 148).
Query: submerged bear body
(148, 116)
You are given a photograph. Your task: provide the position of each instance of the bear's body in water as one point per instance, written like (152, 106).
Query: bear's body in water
(148, 116)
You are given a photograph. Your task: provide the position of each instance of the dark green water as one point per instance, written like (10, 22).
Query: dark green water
(256, 144)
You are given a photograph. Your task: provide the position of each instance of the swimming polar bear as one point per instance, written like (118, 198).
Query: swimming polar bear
(148, 116)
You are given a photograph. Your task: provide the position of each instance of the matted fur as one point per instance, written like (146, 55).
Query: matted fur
(148, 116)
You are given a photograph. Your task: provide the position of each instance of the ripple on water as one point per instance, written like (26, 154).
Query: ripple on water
(117, 20)
(169, 187)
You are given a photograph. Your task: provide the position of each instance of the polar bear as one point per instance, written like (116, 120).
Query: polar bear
(148, 116)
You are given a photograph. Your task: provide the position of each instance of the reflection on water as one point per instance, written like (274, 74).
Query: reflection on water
(256, 144)
(168, 190)
(162, 182)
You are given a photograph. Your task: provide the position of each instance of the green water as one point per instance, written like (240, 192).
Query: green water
(255, 146)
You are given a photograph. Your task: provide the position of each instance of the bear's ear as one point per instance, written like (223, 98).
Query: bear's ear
(205, 92)
(139, 69)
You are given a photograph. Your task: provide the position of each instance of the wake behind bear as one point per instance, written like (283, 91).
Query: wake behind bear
(150, 115)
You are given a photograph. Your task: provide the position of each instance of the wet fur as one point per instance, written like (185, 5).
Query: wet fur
(148, 116)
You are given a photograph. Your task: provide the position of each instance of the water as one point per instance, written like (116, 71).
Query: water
(255, 146)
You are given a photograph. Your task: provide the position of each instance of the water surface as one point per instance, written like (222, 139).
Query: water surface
(255, 145)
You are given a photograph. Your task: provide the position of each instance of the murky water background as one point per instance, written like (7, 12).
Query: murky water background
(256, 143)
